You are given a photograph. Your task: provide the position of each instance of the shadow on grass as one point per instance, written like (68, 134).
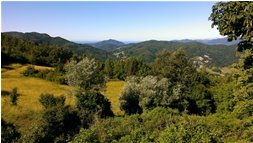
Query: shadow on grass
(5, 93)
(8, 68)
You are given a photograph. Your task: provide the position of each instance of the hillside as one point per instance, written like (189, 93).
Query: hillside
(220, 55)
(108, 45)
(45, 39)
(217, 41)
(30, 89)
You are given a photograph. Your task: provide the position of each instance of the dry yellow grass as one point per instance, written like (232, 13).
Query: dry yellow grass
(113, 90)
(30, 90)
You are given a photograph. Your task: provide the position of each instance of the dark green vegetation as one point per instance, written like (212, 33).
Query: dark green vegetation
(218, 41)
(120, 69)
(24, 51)
(168, 100)
(8, 132)
(234, 20)
(57, 75)
(14, 96)
(48, 43)
(108, 45)
(221, 55)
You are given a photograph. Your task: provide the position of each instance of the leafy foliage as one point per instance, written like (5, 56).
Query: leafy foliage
(166, 101)
(9, 133)
(91, 103)
(234, 19)
(176, 84)
(120, 69)
(58, 121)
(84, 74)
(56, 75)
(167, 125)
(30, 71)
(14, 96)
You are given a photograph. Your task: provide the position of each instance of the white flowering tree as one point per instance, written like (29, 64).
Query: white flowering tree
(84, 74)
(143, 93)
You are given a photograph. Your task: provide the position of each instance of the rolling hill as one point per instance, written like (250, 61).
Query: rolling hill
(217, 41)
(108, 45)
(220, 55)
(45, 39)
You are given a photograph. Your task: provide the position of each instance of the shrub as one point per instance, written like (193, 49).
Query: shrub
(43, 73)
(84, 74)
(8, 132)
(14, 96)
(90, 103)
(30, 71)
(86, 136)
(58, 122)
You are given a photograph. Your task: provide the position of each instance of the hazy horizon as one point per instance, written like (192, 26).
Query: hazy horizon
(123, 21)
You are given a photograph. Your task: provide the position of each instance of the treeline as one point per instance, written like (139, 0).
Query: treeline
(171, 102)
(120, 69)
(23, 51)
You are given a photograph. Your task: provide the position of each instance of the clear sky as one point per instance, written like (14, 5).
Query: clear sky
(126, 21)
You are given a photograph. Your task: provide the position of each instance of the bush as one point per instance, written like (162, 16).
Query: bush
(14, 96)
(167, 125)
(90, 103)
(43, 73)
(56, 75)
(84, 74)
(129, 98)
(30, 71)
(86, 136)
(58, 123)
(49, 100)
(8, 132)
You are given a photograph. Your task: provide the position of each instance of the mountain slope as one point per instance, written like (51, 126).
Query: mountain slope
(218, 41)
(108, 45)
(220, 55)
(45, 39)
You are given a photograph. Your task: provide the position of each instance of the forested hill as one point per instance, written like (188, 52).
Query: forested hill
(218, 55)
(217, 41)
(108, 45)
(45, 39)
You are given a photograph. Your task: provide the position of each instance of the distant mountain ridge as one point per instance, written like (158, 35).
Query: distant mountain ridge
(218, 52)
(108, 45)
(217, 41)
(45, 39)
(220, 55)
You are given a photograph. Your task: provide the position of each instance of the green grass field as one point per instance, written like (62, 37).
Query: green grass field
(30, 90)
(112, 92)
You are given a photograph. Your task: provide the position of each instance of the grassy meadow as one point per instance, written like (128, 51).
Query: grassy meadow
(112, 92)
(30, 89)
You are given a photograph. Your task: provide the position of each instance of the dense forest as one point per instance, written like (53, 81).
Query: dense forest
(168, 99)
(220, 55)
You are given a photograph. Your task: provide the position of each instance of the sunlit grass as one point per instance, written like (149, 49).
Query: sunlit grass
(113, 90)
(30, 89)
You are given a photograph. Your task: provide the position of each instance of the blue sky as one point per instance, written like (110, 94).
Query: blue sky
(126, 21)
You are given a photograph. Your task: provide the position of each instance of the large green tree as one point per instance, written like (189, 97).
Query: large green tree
(235, 20)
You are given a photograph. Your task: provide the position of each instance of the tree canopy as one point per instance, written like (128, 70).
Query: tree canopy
(235, 20)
